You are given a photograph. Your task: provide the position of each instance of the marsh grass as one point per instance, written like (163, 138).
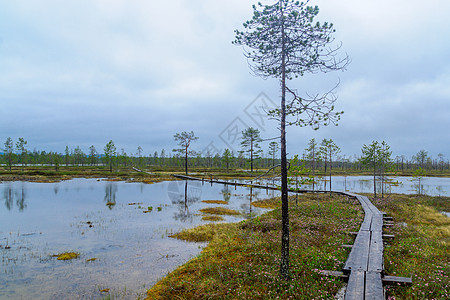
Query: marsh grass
(215, 202)
(421, 246)
(212, 218)
(219, 211)
(242, 259)
(203, 233)
(67, 255)
(270, 203)
(45, 173)
(147, 181)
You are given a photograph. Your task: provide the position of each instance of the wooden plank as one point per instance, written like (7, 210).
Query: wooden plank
(365, 226)
(376, 261)
(355, 287)
(377, 223)
(374, 286)
(368, 214)
(364, 203)
(350, 194)
(359, 256)
(394, 280)
(369, 204)
(375, 210)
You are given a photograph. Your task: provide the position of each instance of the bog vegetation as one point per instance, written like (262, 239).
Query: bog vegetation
(242, 259)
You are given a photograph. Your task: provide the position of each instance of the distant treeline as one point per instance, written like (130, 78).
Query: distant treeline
(319, 157)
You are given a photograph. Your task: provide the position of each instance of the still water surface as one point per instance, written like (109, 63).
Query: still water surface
(106, 221)
(432, 186)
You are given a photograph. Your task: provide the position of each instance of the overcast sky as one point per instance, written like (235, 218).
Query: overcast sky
(83, 72)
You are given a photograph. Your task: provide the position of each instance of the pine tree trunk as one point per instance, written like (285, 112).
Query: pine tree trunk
(186, 162)
(284, 267)
(251, 155)
(330, 172)
(374, 180)
(313, 167)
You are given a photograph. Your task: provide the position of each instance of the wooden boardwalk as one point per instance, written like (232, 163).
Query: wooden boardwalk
(258, 186)
(365, 264)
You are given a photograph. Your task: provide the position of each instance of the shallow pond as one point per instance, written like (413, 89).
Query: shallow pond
(432, 186)
(120, 230)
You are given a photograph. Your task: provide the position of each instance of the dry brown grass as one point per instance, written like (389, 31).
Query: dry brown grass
(67, 255)
(267, 203)
(147, 181)
(215, 202)
(219, 211)
(203, 233)
(212, 218)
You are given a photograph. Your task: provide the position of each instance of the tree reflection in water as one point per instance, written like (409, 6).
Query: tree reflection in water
(226, 193)
(110, 194)
(247, 207)
(56, 189)
(18, 194)
(184, 195)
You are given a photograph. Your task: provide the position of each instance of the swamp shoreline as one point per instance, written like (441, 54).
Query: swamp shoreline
(242, 259)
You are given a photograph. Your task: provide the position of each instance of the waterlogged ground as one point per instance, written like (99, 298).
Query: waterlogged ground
(119, 229)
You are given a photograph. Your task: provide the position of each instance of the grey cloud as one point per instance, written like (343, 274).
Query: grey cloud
(81, 73)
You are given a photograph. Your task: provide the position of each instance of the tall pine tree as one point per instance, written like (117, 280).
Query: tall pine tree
(282, 41)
